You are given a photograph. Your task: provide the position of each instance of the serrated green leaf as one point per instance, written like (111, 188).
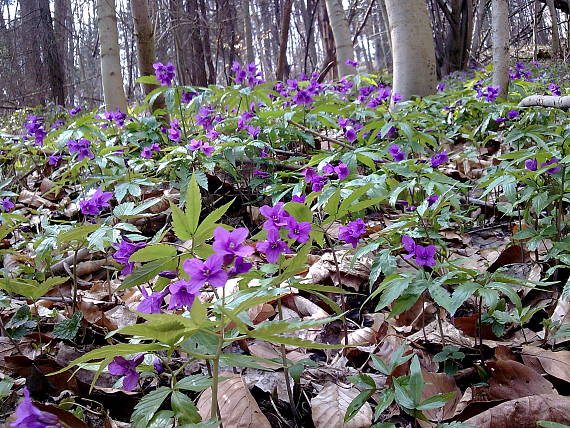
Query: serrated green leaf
(182, 228)
(68, 329)
(76, 234)
(196, 382)
(208, 225)
(184, 408)
(147, 407)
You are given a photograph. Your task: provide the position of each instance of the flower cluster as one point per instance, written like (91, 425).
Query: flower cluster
(174, 131)
(520, 72)
(512, 114)
(96, 203)
(203, 146)
(124, 252)
(249, 74)
(532, 165)
(206, 118)
(35, 128)
(491, 93)
(554, 90)
(82, 147)
(351, 62)
(351, 234)
(438, 159)
(317, 181)
(341, 170)
(75, 111)
(350, 128)
(396, 153)
(6, 204)
(164, 73)
(148, 151)
(29, 416)
(424, 256)
(114, 116)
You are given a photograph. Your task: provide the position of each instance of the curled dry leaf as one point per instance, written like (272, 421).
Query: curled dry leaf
(304, 307)
(260, 313)
(451, 334)
(329, 407)
(362, 337)
(440, 383)
(524, 412)
(556, 364)
(238, 408)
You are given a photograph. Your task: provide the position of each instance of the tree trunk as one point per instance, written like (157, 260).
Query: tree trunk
(113, 91)
(31, 52)
(341, 34)
(285, 24)
(248, 33)
(482, 7)
(206, 43)
(413, 51)
(308, 13)
(535, 21)
(555, 33)
(60, 21)
(50, 53)
(198, 75)
(500, 36)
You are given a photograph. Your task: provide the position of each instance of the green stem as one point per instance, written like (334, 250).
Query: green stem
(286, 369)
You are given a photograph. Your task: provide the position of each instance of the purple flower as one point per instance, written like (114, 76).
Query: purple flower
(146, 153)
(183, 294)
(74, 111)
(298, 198)
(6, 204)
(29, 416)
(151, 303)
(169, 274)
(264, 152)
(230, 244)
(531, 164)
(53, 160)
(261, 174)
(187, 97)
(438, 159)
(207, 149)
(298, 231)
(128, 368)
(328, 169)
(276, 216)
(124, 252)
(492, 93)
(254, 132)
(425, 255)
(397, 155)
(96, 203)
(512, 114)
(164, 73)
(350, 134)
(351, 62)
(318, 183)
(174, 131)
(35, 129)
(553, 170)
(343, 122)
(273, 247)
(158, 366)
(409, 245)
(501, 119)
(209, 271)
(194, 144)
(341, 171)
(239, 267)
(352, 233)
(554, 90)
(440, 86)
(432, 200)
(302, 97)
(396, 97)
(81, 147)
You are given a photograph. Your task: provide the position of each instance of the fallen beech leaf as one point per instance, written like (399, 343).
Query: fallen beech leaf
(511, 379)
(238, 408)
(556, 364)
(329, 407)
(451, 334)
(304, 307)
(510, 255)
(440, 383)
(118, 317)
(524, 412)
(260, 313)
(362, 337)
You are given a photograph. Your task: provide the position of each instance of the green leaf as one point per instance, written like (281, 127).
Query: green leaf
(184, 408)
(29, 287)
(436, 401)
(331, 207)
(193, 204)
(196, 382)
(401, 395)
(548, 424)
(301, 212)
(147, 272)
(110, 351)
(162, 419)
(182, 228)
(357, 403)
(149, 80)
(165, 331)
(68, 329)
(76, 234)
(153, 252)
(147, 407)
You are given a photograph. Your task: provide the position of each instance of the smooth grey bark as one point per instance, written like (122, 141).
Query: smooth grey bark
(248, 33)
(413, 51)
(341, 35)
(283, 38)
(546, 101)
(111, 79)
(500, 35)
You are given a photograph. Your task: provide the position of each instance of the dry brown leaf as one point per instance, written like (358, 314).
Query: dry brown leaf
(329, 407)
(524, 412)
(511, 379)
(262, 349)
(260, 313)
(118, 317)
(238, 408)
(362, 337)
(556, 364)
(304, 307)
(34, 199)
(440, 383)
(451, 334)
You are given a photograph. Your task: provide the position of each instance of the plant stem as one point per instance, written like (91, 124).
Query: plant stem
(286, 369)
(216, 365)
(75, 280)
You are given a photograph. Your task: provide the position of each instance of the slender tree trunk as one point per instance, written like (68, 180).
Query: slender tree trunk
(284, 37)
(31, 52)
(342, 38)
(50, 53)
(555, 33)
(535, 21)
(60, 21)
(328, 38)
(206, 42)
(413, 50)
(308, 14)
(198, 75)
(111, 78)
(482, 7)
(248, 32)
(500, 35)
